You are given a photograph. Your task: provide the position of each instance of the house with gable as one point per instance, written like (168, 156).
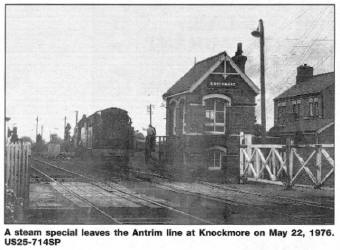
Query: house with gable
(206, 110)
(305, 111)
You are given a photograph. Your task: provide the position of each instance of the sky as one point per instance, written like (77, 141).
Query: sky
(60, 59)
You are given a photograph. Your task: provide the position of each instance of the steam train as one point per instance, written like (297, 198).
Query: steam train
(107, 134)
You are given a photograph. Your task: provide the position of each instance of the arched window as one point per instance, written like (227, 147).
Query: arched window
(215, 157)
(215, 113)
(181, 113)
(172, 117)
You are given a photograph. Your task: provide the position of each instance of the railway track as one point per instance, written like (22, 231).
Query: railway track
(54, 180)
(107, 187)
(279, 200)
(281, 210)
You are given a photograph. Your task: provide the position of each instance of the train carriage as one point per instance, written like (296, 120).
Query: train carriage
(106, 133)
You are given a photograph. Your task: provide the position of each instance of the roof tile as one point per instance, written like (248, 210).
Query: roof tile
(193, 75)
(313, 85)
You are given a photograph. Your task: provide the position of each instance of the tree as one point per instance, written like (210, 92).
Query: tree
(26, 139)
(14, 135)
(67, 136)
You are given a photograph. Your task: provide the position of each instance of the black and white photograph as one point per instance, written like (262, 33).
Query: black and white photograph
(176, 114)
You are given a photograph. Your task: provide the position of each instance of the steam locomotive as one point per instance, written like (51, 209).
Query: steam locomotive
(107, 134)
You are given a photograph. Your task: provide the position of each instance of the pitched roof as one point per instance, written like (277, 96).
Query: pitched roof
(313, 85)
(303, 126)
(194, 75)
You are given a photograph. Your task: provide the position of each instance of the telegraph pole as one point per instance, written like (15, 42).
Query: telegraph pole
(76, 117)
(260, 34)
(36, 129)
(149, 110)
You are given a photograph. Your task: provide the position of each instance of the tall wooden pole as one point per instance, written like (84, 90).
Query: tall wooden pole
(263, 86)
(150, 114)
(36, 129)
(76, 117)
(259, 33)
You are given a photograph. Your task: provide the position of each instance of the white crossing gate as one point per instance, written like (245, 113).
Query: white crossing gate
(283, 164)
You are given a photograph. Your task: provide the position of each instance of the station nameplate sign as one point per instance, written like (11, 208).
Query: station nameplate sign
(222, 84)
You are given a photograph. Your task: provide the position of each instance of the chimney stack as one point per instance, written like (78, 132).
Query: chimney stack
(304, 72)
(239, 59)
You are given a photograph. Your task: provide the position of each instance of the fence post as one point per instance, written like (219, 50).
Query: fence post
(248, 141)
(258, 163)
(242, 180)
(19, 170)
(15, 149)
(318, 165)
(289, 163)
(26, 179)
(7, 172)
(11, 167)
(23, 173)
(274, 163)
(20, 176)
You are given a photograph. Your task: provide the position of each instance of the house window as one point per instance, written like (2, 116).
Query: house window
(297, 108)
(215, 113)
(311, 113)
(294, 106)
(281, 109)
(215, 157)
(314, 107)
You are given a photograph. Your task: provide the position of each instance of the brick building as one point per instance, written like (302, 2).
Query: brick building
(305, 111)
(206, 110)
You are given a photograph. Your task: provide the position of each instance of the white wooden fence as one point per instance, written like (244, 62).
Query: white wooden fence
(283, 164)
(16, 169)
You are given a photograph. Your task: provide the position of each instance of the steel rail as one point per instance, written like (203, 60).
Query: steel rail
(227, 201)
(78, 196)
(130, 194)
(304, 202)
(292, 200)
(214, 198)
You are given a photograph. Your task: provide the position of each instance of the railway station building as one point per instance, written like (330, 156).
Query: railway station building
(206, 110)
(305, 111)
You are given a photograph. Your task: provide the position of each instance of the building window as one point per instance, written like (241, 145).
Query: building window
(281, 109)
(314, 107)
(311, 113)
(172, 118)
(297, 108)
(215, 157)
(181, 117)
(215, 113)
(294, 107)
